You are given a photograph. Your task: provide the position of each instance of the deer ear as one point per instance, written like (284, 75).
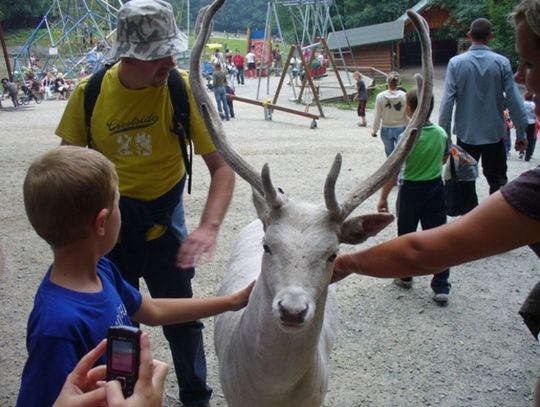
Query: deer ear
(359, 228)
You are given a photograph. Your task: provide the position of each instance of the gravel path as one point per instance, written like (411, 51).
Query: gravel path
(395, 347)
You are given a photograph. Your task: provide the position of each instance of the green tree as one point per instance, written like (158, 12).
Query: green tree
(18, 14)
(372, 11)
(503, 29)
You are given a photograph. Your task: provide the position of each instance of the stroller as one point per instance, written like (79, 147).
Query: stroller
(207, 72)
(29, 96)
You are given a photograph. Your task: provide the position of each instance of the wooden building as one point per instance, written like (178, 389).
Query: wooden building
(390, 46)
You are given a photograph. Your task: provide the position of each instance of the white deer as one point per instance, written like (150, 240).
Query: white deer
(275, 352)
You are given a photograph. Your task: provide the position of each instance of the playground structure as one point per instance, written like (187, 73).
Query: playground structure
(315, 18)
(78, 34)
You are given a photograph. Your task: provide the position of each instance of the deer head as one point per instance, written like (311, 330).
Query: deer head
(289, 223)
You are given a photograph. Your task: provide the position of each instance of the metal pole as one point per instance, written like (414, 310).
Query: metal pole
(6, 56)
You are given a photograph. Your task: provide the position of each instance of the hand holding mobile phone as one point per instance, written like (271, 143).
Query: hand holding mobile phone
(123, 356)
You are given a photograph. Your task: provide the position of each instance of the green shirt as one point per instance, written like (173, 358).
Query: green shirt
(426, 159)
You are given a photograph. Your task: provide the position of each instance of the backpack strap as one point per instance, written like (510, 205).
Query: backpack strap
(91, 93)
(180, 102)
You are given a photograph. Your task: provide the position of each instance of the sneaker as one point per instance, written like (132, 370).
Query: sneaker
(404, 282)
(440, 298)
(521, 155)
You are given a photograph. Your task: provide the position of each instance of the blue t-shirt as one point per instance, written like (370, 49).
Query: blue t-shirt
(64, 325)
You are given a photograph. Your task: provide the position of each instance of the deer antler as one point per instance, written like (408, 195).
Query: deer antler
(396, 159)
(215, 128)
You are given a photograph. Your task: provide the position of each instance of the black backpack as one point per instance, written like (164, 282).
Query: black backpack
(179, 100)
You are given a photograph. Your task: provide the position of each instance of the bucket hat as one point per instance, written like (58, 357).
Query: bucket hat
(147, 31)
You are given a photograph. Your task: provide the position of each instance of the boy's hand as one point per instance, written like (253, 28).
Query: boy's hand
(382, 206)
(240, 298)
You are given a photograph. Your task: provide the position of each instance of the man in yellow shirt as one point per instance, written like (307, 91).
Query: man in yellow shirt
(131, 125)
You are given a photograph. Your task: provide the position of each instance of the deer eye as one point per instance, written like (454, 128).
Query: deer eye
(332, 258)
(266, 249)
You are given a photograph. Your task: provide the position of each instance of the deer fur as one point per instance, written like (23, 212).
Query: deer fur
(275, 351)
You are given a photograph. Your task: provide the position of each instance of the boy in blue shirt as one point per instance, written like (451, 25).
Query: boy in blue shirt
(421, 197)
(71, 199)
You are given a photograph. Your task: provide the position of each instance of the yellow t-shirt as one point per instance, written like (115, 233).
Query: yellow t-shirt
(132, 129)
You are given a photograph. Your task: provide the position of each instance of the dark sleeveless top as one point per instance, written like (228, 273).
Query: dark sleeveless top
(523, 193)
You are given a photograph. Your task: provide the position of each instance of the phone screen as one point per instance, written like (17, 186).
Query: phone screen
(123, 356)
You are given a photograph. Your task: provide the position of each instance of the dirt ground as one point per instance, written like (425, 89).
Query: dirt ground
(395, 347)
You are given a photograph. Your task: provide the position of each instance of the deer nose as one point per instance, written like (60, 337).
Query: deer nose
(292, 317)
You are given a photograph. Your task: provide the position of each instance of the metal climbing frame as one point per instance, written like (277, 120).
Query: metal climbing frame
(315, 19)
(77, 33)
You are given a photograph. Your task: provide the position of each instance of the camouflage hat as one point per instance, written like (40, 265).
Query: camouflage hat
(147, 31)
(393, 77)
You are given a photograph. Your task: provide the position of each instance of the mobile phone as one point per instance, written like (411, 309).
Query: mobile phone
(123, 356)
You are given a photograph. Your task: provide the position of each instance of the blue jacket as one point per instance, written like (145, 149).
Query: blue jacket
(481, 84)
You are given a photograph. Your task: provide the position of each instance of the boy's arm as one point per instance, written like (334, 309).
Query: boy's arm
(167, 311)
(382, 205)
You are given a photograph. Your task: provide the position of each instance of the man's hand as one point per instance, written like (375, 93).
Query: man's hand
(202, 240)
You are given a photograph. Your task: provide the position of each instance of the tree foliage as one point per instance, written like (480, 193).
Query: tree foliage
(360, 13)
(21, 14)
(503, 29)
(237, 15)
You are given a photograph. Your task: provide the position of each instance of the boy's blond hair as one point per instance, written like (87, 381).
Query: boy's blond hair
(64, 190)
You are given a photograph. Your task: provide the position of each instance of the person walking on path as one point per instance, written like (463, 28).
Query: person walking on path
(421, 196)
(251, 61)
(390, 113)
(361, 97)
(12, 90)
(131, 125)
(218, 81)
(532, 130)
(480, 83)
(238, 61)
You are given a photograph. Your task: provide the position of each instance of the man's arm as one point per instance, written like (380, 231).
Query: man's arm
(447, 102)
(203, 239)
(473, 236)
